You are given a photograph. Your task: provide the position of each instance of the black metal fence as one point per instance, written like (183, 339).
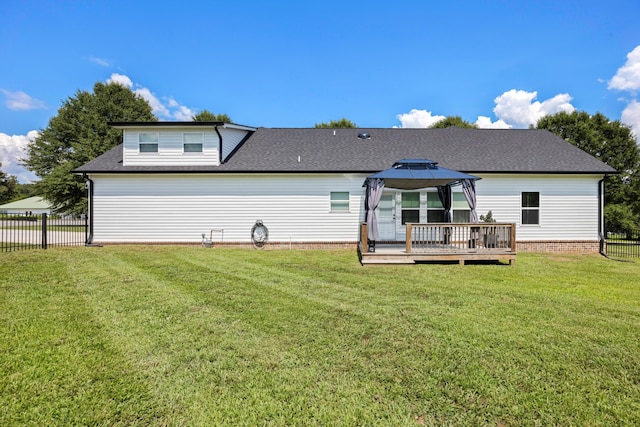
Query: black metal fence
(623, 245)
(41, 231)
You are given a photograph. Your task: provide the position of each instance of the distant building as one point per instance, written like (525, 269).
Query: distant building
(29, 206)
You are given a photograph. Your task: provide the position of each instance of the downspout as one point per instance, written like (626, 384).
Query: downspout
(88, 182)
(221, 157)
(601, 230)
(89, 186)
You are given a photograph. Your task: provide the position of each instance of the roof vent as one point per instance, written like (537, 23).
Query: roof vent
(364, 135)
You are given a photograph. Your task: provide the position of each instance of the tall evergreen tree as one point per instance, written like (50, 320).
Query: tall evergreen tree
(78, 134)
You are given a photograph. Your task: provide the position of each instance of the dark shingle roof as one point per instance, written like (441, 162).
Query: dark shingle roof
(340, 150)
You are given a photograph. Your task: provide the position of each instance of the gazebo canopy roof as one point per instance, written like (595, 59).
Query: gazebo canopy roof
(412, 174)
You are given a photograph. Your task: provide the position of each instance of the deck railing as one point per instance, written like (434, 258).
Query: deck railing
(460, 236)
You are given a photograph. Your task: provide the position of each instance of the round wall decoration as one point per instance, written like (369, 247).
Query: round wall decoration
(259, 234)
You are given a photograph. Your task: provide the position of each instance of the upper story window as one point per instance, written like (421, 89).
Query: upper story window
(531, 208)
(193, 142)
(339, 201)
(148, 142)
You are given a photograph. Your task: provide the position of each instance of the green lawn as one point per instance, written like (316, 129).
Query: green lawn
(133, 335)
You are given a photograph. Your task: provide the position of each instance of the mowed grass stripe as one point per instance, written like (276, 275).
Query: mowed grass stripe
(242, 337)
(302, 329)
(58, 366)
(242, 274)
(234, 365)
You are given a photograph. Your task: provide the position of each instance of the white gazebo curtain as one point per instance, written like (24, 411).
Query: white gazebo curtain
(375, 187)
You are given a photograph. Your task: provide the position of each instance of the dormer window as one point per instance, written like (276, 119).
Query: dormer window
(193, 142)
(148, 142)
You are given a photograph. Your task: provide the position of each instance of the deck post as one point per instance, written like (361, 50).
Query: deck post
(408, 238)
(513, 237)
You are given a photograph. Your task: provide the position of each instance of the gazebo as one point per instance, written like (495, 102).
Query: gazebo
(457, 239)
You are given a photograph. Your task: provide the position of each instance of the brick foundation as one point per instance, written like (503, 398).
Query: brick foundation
(559, 246)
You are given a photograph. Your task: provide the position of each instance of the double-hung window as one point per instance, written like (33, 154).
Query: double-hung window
(339, 201)
(460, 208)
(193, 142)
(410, 207)
(530, 208)
(435, 210)
(148, 142)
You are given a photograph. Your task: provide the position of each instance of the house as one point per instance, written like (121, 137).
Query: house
(29, 206)
(174, 181)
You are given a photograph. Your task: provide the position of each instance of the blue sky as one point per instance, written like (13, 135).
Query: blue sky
(294, 64)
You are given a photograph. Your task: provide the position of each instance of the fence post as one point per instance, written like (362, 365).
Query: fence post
(86, 229)
(44, 231)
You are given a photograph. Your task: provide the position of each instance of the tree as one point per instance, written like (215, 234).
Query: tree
(620, 219)
(611, 142)
(452, 121)
(78, 134)
(25, 190)
(208, 116)
(343, 123)
(8, 187)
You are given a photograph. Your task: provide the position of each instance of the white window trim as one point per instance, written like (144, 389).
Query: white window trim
(193, 153)
(539, 209)
(340, 211)
(156, 143)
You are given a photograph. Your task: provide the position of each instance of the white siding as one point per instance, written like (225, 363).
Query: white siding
(170, 149)
(568, 204)
(230, 140)
(170, 146)
(179, 208)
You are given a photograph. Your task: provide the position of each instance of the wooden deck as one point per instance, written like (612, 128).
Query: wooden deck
(444, 243)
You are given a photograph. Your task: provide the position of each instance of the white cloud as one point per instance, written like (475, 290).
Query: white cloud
(183, 114)
(100, 61)
(167, 108)
(517, 108)
(121, 79)
(418, 119)
(12, 149)
(22, 101)
(628, 76)
(484, 122)
(631, 117)
(156, 105)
